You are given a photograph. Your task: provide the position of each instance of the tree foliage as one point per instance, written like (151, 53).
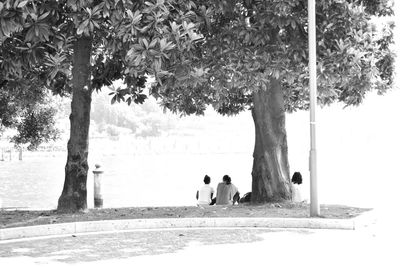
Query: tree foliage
(37, 125)
(247, 43)
(131, 40)
(30, 112)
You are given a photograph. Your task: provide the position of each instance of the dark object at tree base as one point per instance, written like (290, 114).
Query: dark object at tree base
(246, 198)
(98, 203)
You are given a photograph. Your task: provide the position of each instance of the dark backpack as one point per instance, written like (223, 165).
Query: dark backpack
(246, 198)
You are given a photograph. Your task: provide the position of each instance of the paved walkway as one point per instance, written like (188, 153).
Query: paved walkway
(196, 247)
(368, 246)
(120, 245)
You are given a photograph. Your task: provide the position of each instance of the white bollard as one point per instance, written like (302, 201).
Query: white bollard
(98, 199)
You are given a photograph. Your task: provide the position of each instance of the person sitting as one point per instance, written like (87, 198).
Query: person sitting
(296, 182)
(205, 194)
(227, 193)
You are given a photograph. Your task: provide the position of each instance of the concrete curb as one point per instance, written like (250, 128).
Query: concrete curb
(137, 224)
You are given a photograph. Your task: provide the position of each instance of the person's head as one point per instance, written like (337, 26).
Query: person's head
(207, 179)
(297, 178)
(226, 179)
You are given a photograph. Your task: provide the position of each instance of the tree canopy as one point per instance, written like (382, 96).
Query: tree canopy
(31, 113)
(248, 43)
(131, 39)
(245, 43)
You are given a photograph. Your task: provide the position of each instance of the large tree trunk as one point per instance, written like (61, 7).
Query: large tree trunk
(271, 176)
(74, 195)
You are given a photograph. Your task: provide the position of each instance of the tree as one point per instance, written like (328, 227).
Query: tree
(24, 104)
(254, 56)
(73, 47)
(31, 113)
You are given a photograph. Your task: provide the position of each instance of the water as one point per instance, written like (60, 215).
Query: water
(35, 182)
(131, 177)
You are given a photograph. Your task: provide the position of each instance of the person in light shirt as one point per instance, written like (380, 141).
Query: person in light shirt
(205, 194)
(227, 193)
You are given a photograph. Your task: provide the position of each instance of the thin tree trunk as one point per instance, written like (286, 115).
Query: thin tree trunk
(270, 174)
(74, 195)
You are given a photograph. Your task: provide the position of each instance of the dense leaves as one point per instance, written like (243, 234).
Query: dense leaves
(131, 40)
(247, 43)
(378, 8)
(37, 126)
(31, 113)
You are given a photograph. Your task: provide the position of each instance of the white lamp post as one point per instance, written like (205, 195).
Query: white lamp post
(314, 205)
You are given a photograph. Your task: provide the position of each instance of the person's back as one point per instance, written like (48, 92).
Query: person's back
(205, 193)
(223, 194)
(296, 193)
(296, 182)
(227, 193)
